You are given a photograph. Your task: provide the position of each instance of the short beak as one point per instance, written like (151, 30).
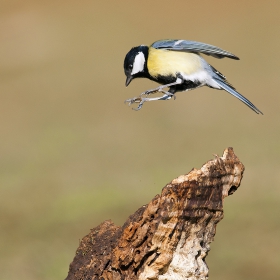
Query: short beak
(128, 80)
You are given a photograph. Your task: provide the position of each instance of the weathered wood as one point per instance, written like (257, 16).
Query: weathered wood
(168, 238)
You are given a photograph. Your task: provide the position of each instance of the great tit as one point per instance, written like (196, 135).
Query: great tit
(177, 65)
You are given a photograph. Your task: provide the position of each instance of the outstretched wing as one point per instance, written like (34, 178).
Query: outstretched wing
(192, 46)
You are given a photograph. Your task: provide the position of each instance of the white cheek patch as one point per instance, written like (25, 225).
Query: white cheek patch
(138, 64)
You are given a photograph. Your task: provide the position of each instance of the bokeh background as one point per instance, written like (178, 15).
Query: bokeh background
(72, 154)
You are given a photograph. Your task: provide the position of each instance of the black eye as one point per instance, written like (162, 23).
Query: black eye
(130, 66)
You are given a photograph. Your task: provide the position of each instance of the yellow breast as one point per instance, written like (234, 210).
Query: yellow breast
(165, 62)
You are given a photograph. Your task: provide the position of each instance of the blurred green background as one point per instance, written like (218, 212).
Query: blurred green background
(72, 154)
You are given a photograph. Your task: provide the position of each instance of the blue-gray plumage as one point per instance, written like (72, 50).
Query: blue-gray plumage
(177, 65)
(192, 46)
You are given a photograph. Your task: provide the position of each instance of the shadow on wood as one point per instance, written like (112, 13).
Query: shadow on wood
(168, 238)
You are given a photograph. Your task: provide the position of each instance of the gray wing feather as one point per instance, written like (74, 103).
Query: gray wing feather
(192, 46)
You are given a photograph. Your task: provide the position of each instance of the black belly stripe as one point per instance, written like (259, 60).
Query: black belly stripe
(164, 80)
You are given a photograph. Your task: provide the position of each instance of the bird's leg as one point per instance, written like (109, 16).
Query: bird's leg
(139, 99)
(167, 95)
(178, 81)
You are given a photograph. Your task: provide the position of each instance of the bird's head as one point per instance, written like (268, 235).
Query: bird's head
(135, 63)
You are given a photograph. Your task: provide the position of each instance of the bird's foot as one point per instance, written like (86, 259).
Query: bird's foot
(138, 99)
(167, 95)
(133, 100)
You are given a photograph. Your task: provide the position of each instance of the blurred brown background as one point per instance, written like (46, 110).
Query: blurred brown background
(72, 154)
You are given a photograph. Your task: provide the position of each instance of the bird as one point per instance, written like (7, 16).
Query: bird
(178, 66)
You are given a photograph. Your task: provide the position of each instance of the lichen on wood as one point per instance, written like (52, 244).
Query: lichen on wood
(169, 238)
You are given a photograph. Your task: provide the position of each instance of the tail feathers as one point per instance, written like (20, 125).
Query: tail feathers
(223, 77)
(224, 85)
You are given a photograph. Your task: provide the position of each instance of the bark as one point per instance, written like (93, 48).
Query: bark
(169, 238)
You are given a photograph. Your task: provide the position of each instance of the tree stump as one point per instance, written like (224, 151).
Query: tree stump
(169, 238)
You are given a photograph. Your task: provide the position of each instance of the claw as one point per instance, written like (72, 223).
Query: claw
(133, 100)
(141, 104)
(138, 108)
(139, 100)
